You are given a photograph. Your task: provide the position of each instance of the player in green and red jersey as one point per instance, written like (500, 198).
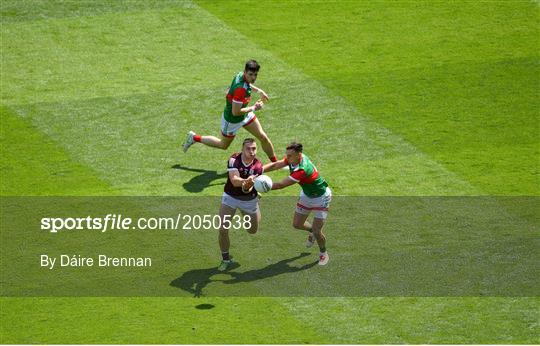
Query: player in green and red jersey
(315, 195)
(238, 114)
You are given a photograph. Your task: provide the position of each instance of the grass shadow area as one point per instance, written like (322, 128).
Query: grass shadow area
(201, 181)
(194, 281)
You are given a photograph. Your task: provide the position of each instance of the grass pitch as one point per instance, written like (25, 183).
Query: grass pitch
(388, 99)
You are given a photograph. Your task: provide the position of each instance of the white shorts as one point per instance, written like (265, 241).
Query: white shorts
(247, 207)
(319, 205)
(229, 129)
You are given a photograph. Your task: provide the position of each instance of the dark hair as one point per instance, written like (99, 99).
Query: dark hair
(248, 140)
(252, 65)
(296, 147)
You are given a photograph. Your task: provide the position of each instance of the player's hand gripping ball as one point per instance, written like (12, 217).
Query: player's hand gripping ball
(263, 183)
(247, 185)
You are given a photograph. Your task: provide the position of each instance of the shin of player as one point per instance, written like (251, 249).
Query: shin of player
(238, 114)
(239, 194)
(315, 195)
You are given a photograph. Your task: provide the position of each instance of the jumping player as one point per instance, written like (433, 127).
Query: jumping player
(239, 194)
(315, 195)
(238, 114)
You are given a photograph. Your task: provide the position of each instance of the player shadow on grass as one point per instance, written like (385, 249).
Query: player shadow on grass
(202, 181)
(194, 281)
(270, 270)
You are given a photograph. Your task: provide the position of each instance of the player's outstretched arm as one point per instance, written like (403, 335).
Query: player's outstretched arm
(237, 109)
(264, 95)
(237, 181)
(272, 166)
(284, 183)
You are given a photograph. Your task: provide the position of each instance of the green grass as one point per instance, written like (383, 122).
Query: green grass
(389, 99)
(34, 175)
(190, 99)
(256, 320)
(459, 81)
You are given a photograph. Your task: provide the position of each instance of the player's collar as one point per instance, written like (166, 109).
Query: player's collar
(242, 159)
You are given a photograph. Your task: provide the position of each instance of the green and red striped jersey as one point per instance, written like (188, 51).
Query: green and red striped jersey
(306, 174)
(239, 92)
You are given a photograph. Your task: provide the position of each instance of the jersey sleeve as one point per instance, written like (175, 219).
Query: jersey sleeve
(298, 175)
(239, 95)
(231, 164)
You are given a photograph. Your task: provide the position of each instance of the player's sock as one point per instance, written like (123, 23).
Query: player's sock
(226, 256)
(197, 138)
(273, 158)
(310, 240)
(323, 249)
